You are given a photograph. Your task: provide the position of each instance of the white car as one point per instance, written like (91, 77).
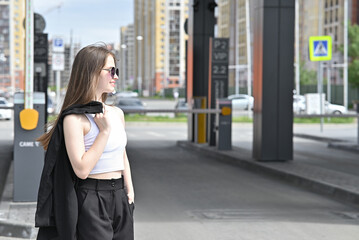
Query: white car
(334, 108)
(241, 101)
(5, 113)
(299, 106)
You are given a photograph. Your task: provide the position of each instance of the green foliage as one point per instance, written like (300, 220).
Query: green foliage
(307, 77)
(145, 118)
(326, 120)
(353, 53)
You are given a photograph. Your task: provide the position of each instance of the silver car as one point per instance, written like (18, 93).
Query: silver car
(132, 103)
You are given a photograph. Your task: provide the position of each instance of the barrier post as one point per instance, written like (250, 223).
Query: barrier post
(28, 154)
(224, 127)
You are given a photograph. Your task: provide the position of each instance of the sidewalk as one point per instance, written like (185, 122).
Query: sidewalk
(325, 162)
(16, 218)
(315, 167)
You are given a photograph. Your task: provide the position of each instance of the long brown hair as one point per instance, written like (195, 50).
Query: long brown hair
(83, 82)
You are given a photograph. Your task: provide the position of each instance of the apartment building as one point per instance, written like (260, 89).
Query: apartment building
(316, 17)
(127, 57)
(160, 44)
(232, 24)
(5, 44)
(17, 43)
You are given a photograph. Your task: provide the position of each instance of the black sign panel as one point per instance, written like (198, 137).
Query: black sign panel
(40, 47)
(219, 69)
(219, 78)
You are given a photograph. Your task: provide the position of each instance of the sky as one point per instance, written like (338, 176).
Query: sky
(90, 21)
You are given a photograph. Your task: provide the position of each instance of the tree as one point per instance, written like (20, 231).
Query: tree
(307, 77)
(353, 53)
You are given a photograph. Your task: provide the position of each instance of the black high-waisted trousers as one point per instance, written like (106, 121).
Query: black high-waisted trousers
(104, 211)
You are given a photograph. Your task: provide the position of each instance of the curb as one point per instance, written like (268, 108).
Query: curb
(318, 138)
(16, 230)
(283, 170)
(345, 146)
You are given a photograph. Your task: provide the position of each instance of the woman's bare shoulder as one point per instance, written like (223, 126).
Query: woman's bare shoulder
(119, 112)
(75, 119)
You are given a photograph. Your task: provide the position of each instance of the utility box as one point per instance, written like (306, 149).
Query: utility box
(224, 124)
(28, 153)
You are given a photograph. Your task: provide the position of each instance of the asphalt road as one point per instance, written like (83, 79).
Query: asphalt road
(182, 195)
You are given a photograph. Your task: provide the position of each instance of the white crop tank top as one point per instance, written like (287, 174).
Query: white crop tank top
(112, 156)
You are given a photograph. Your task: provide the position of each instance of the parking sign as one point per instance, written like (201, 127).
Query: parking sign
(58, 44)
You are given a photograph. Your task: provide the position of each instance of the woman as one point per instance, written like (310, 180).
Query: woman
(86, 161)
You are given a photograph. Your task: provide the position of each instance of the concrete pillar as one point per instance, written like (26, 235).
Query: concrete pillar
(273, 79)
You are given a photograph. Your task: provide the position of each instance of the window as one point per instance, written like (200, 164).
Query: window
(331, 16)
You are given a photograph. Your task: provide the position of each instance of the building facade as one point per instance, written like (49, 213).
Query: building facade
(160, 44)
(5, 51)
(232, 24)
(127, 57)
(319, 17)
(325, 17)
(17, 44)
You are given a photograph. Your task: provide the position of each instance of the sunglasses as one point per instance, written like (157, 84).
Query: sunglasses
(113, 71)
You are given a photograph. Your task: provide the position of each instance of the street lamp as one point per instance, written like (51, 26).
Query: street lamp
(139, 62)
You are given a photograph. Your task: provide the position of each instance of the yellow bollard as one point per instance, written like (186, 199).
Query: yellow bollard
(201, 120)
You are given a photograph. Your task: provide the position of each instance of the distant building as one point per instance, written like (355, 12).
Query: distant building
(70, 52)
(331, 23)
(12, 44)
(126, 62)
(160, 53)
(232, 24)
(5, 51)
(17, 41)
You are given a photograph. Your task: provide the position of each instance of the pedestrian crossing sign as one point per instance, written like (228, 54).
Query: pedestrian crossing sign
(320, 48)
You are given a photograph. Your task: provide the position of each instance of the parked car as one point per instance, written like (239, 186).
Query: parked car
(5, 113)
(334, 108)
(241, 101)
(126, 94)
(299, 106)
(130, 104)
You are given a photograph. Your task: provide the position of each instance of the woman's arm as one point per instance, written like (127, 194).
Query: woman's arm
(83, 162)
(127, 171)
(128, 179)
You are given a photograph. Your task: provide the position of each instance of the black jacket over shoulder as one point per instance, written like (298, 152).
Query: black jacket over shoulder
(57, 210)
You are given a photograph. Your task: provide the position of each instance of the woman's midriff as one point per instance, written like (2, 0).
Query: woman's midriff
(107, 175)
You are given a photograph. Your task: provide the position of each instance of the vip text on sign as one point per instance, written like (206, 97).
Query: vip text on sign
(320, 48)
